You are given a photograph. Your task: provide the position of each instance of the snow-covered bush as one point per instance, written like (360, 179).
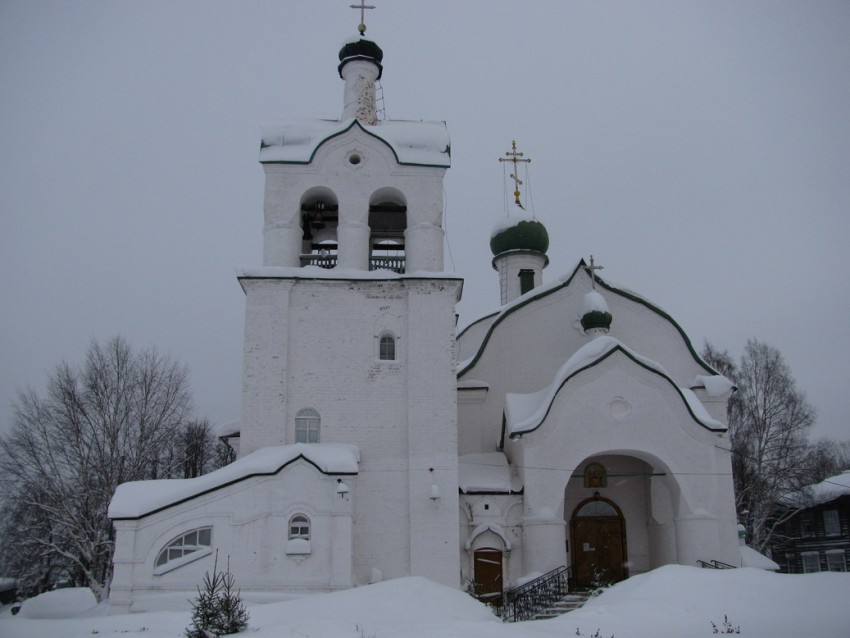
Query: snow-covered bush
(60, 603)
(218, 610)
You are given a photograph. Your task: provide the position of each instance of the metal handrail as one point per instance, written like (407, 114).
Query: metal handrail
(714, 564)
(523, 602)
(394, 263)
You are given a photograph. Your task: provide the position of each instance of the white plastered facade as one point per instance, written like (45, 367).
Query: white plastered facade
(554, 399)
(505, 387)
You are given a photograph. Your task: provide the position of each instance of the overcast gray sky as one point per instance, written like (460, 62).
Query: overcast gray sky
(699, 150)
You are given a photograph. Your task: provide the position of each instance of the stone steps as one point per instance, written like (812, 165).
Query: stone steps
(564, 605)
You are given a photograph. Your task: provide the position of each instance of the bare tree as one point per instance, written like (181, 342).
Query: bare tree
(113, 419)
(769, 421)
(829, 458)
(198, 445)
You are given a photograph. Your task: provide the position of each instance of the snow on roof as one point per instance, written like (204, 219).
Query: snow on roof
(139, 498)
(315, 272)
(515, 215)
(230, 428)
(488, 472)
(716, 385)
(420, 143)
(823, 492)
(524, 412)
(752, 558)
(593, 301)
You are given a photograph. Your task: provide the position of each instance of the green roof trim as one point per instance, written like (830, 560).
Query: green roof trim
(619, 348)
(580, 267)
(355, 122)
(300, 457)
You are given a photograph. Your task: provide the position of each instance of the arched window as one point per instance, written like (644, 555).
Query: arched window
(386, 348)
(299, 527)
(597, 508)
(595, 475)
(307, 426)
(188, 543)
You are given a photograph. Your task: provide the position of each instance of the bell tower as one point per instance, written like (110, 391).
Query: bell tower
(350, 321)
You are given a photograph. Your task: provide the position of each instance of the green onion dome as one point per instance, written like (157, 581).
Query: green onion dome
(595, 313)
(359, 48)
(519, 232)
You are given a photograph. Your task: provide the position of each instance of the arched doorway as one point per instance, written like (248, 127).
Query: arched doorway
(598, 533)
(487, 570)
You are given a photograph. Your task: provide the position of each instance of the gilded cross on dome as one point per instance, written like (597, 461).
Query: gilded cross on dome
(362, 6)
(514, 156)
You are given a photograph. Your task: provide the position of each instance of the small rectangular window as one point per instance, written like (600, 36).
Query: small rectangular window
(831, 523)
(835, 561)
(807, 525)
(526, 281)
(811, 562)
(307, 426)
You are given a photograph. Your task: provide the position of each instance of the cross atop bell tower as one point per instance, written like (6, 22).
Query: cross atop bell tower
(362, 6)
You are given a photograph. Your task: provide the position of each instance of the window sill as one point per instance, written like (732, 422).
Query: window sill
(183, 560)
(298, 547)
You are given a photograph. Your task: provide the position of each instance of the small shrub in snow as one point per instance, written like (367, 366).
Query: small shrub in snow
(218, 610)
(595, 634)
(727, 628)
(599, 582)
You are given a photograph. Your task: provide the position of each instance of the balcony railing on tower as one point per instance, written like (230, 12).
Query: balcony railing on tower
(394, 263)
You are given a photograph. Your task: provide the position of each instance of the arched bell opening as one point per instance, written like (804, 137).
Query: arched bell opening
(387, 225)
(319, 221)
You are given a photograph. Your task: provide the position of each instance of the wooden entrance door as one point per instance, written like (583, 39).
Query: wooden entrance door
(598, 543)
(487, 568)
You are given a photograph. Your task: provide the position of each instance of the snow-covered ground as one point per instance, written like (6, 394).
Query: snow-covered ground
(674, 602)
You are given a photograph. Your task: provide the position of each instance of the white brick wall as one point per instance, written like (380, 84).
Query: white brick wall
(318, 349)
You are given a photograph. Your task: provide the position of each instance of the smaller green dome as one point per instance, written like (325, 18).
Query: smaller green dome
(519, 234)
(596, 319)
(596, 315)
(360, 49)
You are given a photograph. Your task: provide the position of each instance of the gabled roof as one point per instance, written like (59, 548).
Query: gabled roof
(142, 498)
(524, 413)
(544, 291)
(827, 490)
(412, 143)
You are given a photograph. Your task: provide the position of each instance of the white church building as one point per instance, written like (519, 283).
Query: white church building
(574, 426)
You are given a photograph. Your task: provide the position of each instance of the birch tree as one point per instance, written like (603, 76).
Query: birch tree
(769, 421)
(113, 419)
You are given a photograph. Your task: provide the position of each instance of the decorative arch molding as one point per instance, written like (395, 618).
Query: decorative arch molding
(488, 527)
(659, 469)
(613, 347)
(580, 269)
(581, 509)
(394, 138)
